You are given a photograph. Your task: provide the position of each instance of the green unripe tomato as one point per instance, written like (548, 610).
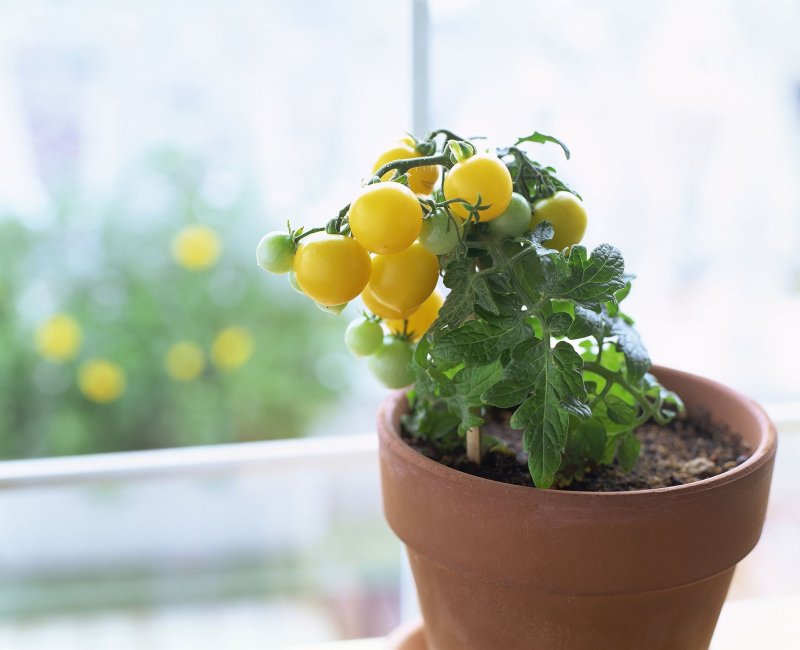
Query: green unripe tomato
(439, 233)
(275, 252)
(514, 220)
(391, 364)
(332, 309)
(363, 337)
(566, 214)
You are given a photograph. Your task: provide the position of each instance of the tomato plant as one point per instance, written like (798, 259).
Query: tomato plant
(532, 321)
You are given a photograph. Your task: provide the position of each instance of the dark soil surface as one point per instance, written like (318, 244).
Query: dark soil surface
(682, 452)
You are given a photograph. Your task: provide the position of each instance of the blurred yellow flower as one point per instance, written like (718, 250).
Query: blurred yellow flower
(101, 380)
(232, 347)
(196, 247)
(184, 361)
(59, 337)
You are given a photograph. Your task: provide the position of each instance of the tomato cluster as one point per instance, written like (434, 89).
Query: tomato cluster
(385, 246)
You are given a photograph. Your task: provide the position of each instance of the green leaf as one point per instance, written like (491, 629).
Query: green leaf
(559, 324)
(619, 411)
(506, 394)
(587, 323)
(477, 342)
(637, 360)
(542, 138)
(459, 303)
(628, 451)
(558, 390)
(544, 435)
(588, 440)
(473, 381)
(589, 281)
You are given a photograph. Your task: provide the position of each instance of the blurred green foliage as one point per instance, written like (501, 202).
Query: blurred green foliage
(106, 261)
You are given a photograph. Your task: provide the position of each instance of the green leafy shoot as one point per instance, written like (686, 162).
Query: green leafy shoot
(539, 332)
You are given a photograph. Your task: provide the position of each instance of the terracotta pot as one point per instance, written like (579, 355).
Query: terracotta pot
(501, 566)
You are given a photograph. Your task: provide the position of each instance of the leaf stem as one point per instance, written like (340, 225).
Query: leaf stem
(616, 377)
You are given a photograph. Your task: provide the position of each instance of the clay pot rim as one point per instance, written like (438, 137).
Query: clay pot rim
(761, 454)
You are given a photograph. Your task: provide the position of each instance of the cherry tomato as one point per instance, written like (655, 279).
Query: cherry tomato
(378, 308)
(333, 309)
(566, 214)
(421, 180)
(515, 220)
(331, 269)
(363, 337)
(482, 174)
(386, 218)
(275, 252)
(439, 233)
(391, 363)
(403, 281)
(421, 319)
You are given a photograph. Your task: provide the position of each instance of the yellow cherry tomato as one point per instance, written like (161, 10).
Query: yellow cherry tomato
(404, 281)
(566, 214)
(331, 269)
(421, 180)
(421, 319)
(482, 174)
(385, 218)
(378, 308)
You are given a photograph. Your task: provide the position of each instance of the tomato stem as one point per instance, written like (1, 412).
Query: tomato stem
(404, 164)
(307, 233)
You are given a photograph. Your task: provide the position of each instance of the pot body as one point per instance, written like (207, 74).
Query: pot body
(504, 566)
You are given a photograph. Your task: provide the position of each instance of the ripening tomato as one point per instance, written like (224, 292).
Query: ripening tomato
(566, 214)
(515, 220)
(421, 319)
(404, 281)
(482, 174)
(275, 252)
(385, 218)
(421, 180)
(363, 337)
(391, 363)
(331, 269)
(439, 232)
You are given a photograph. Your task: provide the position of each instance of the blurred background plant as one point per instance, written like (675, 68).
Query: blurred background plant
(123, 327)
